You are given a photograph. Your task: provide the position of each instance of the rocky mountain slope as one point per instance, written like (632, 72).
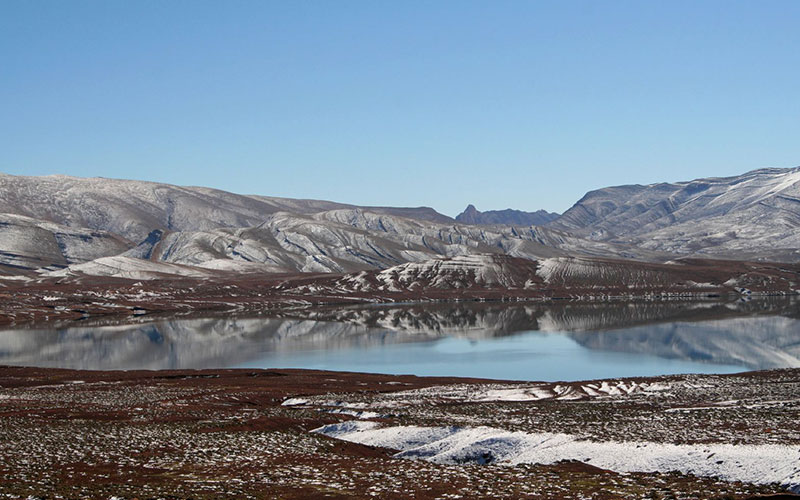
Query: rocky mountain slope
(509, 217)
(348, 240)
(340, 241)
(754, 215)
(132, 209)
(27, 244)
(212, 229)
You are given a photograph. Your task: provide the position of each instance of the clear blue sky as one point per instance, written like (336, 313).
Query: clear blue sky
(497, 103)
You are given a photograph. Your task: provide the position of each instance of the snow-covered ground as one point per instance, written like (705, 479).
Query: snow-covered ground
(758, 464)
(738, 428)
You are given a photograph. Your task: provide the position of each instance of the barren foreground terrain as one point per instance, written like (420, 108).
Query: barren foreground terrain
(309, 434)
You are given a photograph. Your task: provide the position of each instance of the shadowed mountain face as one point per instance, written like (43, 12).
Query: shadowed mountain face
(757, 334)
(507, 217)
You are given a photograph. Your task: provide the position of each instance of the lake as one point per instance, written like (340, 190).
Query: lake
(520, 341)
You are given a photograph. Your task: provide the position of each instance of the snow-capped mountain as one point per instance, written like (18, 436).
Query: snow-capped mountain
(123, 222)
(132, 209)
(112, 227)
(755, 215)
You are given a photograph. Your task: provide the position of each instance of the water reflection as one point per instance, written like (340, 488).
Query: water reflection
(754, 335)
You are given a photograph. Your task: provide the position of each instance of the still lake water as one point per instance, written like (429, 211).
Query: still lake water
(527, 341)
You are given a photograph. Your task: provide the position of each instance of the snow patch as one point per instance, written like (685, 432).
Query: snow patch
(758, 464)
(295, 402)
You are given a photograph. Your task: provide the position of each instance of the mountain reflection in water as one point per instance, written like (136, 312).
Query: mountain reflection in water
(754, 335)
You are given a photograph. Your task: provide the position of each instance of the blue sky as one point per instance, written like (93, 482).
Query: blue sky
(501, 104)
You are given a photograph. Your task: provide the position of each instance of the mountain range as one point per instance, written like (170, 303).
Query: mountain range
(61, 226)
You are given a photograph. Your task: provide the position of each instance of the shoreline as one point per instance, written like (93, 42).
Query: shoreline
(475, 278)
(53, 302)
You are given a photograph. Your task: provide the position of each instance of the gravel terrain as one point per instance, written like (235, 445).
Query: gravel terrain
(247, 434)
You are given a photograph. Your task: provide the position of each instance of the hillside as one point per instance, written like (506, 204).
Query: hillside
(754, 215)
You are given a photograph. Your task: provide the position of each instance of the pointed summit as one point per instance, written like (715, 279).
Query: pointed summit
(472, 215)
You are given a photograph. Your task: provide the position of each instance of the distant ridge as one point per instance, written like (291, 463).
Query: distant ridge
(508, 217)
